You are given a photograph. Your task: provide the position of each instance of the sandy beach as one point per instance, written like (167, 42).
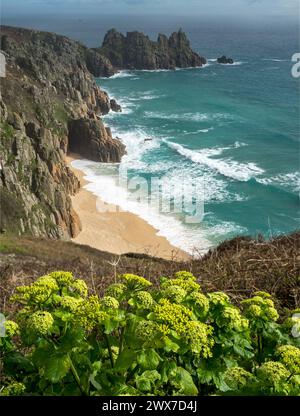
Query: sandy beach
(116, 232)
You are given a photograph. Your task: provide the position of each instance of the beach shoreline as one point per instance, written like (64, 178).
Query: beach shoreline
(107, 228)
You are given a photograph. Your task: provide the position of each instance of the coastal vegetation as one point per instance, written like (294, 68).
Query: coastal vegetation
(139, 339)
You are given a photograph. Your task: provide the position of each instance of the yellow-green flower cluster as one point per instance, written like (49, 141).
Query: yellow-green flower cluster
(199, 336)
(263, 295)
(290, 357)
(237, 378)
(218, 298)
(36, 293)
(46, 288)
(174, 316)
(185, 275)
(253, 311)
(40, 322)
(200, 303)
(47, 282)
(13, 389)
(163, 329)
(79, 286)
(135, 282)
(62, 278)
(146, 331)
(109, 302)
(116, 290)
(272, 372)
(11, 328)
(231, 318)
(144, 299)
(70, 303)
(187, 284)
(260, 306)
(89, 313)
(175, 294)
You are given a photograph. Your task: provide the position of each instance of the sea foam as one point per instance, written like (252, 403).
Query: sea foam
(289, 181)
(226, 167)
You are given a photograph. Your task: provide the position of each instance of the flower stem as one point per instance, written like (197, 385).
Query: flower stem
(76, 377)
(109, 351)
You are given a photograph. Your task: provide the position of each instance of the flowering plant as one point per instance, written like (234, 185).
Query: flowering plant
(139, 340)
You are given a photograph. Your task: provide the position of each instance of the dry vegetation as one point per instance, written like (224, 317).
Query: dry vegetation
(238, 267)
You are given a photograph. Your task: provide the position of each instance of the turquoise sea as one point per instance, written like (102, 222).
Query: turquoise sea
(231, 129)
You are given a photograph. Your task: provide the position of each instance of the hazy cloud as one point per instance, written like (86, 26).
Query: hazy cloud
(192, 7)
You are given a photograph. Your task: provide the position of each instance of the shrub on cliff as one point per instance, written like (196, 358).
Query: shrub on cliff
(135, 340)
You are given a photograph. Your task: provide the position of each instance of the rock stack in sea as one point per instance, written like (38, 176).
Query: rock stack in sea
(137, 51)
(224, 60)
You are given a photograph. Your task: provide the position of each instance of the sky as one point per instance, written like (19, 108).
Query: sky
(245, 8)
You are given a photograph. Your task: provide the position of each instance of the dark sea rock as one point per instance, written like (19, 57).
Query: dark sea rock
(224, 60)
(115, 106)
(137, 51)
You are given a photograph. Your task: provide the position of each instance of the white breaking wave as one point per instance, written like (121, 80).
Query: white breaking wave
(189, 116)
(147, 95)
(205, 130)
(238, 144)
(137, 143)
(275, 60)
(121, 74)
(153, 70)
(209, 188)
(206, 65)
(290, 181)
(226, 167)
(237, 63)
(187, 133)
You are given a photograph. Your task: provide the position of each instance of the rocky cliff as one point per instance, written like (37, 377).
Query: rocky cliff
(137, 51)
(49, 102)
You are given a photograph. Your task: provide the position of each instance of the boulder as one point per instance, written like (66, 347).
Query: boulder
(224, 60)
(115, 106)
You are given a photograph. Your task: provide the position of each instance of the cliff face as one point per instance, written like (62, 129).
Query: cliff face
(84, 137)
(49, 85)
(137, 51)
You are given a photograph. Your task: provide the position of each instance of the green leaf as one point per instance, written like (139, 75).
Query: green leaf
(205, 376)
(145, 381)
(185, 382)
(73, 337)
(170, 345)
(125, 359)
(168, 370)
(110, 325)
(148, 359)
(15, 362)
(230, 362)
(42, 354)
(56, 367)
(63, 315)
